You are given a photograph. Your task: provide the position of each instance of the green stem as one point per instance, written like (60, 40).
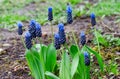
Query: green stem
(74, 38)
(75, 41)
(66, 46)
(23, 41)
(52, 31)
(40, 40)
(33, 40)
(97, 40)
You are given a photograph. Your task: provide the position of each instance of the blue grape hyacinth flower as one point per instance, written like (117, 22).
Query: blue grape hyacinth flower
(50, 14)
(32, 28)
(61, 32)
(82, 38)
(57, 41)
(87, 58)
(38, 30)
(28, 40)
(93, 19)
(69, 14)
(20, 25)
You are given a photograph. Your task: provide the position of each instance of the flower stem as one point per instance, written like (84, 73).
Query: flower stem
(40, 40)
(23, 41)
(74, 38)
(97, 40)
(51, 31)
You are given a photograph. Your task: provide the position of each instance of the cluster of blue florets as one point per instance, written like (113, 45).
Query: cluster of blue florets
(20, 30)
(69, 14)
(57, 41)
(87, 58)
(50, 14)
(93, 19)
(82, 38)
(61, 34)
(34, 31)
(28, 40)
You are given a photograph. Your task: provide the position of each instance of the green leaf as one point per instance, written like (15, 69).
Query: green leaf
(51, 58)
(81, 66)
(75, 63)
(98, 56)
(101, 39)
(73, 50)
(43, 52)
(33, 60)
(51, 75)
(42, 49)
(86, 68)
(76, 76)
(65, 72)
(118, 42)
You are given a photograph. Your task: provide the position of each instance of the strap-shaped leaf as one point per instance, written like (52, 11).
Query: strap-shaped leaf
(34, 63)
(98, 56)
(43, 52)
(81, 66)
(73, 50)
(51, 58)
(101, 39)
(65, 67)
(74, 66)
(51, 75)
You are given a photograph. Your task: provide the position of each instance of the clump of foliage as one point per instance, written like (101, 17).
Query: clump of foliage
(42, 59)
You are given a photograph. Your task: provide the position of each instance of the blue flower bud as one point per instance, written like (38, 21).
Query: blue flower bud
(32, 28)
(28, 41)
(82, 38)
(57, 41)
(50, 14)
(20, 25)
(61, 32)
(38, 30)
(61, 27)
(32, 23)
(93, 20)
(69, 14)
(87, 58)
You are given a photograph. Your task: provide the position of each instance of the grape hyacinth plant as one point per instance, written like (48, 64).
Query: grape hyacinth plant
(82, 38)
(57, 41)
(93, 23)
(61, 32)
(20, 30)
(86, 58)
(38, 30)
(32, 28)
(28, 40)
(93, 19)
(69, 14)
(50, 18)
(44, 61)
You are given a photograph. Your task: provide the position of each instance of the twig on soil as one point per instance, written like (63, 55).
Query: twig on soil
(104, 25)
(114, 34)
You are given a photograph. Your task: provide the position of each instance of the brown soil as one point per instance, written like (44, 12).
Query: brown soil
(12, 60)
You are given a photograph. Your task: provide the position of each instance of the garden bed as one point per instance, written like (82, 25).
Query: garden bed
(12, 59)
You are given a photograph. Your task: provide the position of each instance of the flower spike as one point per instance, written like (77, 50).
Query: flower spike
(20, 25)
